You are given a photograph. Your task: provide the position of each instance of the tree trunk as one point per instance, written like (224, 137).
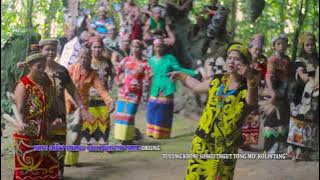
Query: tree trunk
(73, 6)
(65, 3)
(71, 14)
(50, 16)
(298, 29)
(29, 24)
(282, 17)
(315, 24)
(29, 14)
(315, 20)
(233, 23)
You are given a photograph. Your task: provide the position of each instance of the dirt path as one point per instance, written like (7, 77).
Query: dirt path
(149, 165)
(158, 169)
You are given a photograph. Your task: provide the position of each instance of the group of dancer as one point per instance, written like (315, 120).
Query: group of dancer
(289, 100)
(65, 98)
(288, 103)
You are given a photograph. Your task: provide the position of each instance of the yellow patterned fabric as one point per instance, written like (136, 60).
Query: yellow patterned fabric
(97, 130)
(100, 122)
(219, 131)
(211, 169)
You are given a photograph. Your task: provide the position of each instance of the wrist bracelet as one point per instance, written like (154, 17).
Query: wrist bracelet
(252, 83)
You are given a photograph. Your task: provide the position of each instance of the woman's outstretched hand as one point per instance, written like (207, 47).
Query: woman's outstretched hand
(249, 73)
(174, 75)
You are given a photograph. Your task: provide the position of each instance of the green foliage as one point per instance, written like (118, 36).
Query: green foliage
(89, 4)
(270, 23)
(6, 106)
(197, 7)
(9, 21)
(14, 18)
(12, 53)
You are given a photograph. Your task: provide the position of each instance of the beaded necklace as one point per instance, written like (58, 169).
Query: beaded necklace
(224, 92)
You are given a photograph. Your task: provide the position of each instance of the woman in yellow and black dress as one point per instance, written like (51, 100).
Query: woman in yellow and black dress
(231, 97)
